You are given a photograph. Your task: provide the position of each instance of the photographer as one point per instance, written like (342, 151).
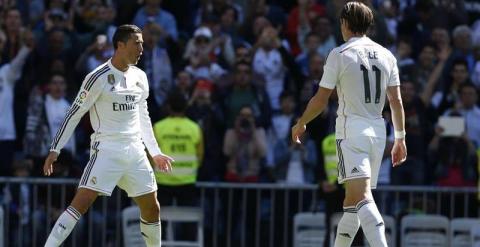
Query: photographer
(244, 145)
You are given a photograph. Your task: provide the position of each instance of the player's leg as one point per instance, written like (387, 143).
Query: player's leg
(140, 184)
(150, 225)
(349, 223)
(68, 219)
(96, 179)
(358, 193)
(362, 156)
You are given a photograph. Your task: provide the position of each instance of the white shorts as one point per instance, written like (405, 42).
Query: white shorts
(118, 163)
(360, 157)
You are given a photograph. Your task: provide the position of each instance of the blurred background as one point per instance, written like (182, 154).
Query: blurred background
(233, 76)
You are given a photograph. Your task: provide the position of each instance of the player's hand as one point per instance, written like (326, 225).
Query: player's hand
(48, 165)
(297, 132)
(163, 162)
(399, 152)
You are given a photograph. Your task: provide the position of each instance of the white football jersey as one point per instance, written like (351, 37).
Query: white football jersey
(117, 105)
(361, 70)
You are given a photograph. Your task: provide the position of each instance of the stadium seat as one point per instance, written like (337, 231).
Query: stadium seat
(475, 235)
(460, 229)
(425, 231)
(309, 229)
(175, 214)
(131, 227)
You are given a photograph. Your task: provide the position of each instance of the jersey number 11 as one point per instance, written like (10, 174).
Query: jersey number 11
(366, 83)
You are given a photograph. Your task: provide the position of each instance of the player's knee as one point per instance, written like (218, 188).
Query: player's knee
(357, 190)
(151, 212)
(83, 200)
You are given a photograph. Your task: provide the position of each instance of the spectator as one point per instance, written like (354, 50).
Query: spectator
(201, 64)
(245, 146)
(181, 139)
(244, 92)
(311, 45)
(292, 163)
(184, 84)
(448, 95)
(424, 66)
(300, 16)
(209, 116)
(45, 115)
(280, 129)
(222, 43)
(269, 62)
(13, 30)
(313, 76)
(96, 54)
(419, 129)
(467, 107)
(454, 160)
(321, 26)
(156, 64)
(403, 53)
(10, 73)
(462, 44)
(152, 12)
(266, 11)
(229, 22)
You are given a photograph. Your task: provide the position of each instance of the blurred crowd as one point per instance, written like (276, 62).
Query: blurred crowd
(246, 69)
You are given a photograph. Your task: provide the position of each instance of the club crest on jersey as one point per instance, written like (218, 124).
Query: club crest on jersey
(111, 79)
(94, 180)
(81, 97)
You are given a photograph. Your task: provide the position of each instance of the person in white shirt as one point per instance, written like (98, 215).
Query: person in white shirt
(467, 108)
(115, 95)
(363, 73)
(10, 73)
(44, 117)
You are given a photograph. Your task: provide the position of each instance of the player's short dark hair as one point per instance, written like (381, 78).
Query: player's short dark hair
(123, 33)
(177, 102)
(358, 16)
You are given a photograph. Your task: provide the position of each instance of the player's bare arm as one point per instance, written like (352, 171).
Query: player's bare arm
(315, 106)
(399, 150)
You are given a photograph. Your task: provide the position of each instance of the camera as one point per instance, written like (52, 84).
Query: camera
(245, 124)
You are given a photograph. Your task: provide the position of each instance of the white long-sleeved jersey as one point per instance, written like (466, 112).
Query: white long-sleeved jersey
(361, 70)
(117, 104)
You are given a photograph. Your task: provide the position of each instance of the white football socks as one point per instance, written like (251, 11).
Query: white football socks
(63, 227)
(347, 227)
(372, 223)
(151, 233)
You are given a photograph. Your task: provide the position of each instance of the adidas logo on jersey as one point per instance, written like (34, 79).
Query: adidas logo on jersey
(112, 89)
(354, 170)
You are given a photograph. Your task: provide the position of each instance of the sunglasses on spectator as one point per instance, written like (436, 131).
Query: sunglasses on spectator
(200, 40)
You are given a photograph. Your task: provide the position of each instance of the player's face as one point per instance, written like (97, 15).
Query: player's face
(134, 48)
